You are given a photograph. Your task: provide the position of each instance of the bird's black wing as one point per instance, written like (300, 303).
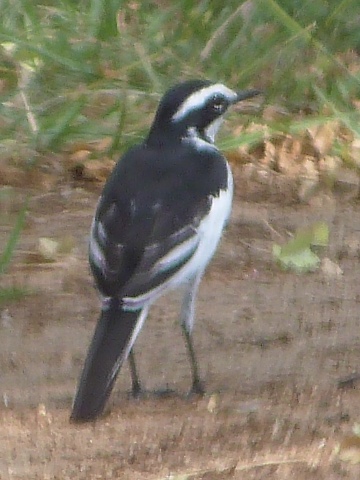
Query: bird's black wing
(146, 225)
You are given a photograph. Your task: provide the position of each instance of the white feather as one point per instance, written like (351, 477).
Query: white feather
(213, 128)
(101, 233)
(199, 143)
(139, 324)
(95, 251)
(199, 98)
(175, 256)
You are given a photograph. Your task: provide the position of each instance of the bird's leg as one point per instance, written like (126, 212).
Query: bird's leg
(135, 382)
(197, 384)
(187, 322)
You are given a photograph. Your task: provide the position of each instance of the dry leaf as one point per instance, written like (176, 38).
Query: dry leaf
(97, 170)
(288, 156)
(48, 248)
(237, 157)
(43, 416)
(41, 410)
(269, 158)
(102, 145)
(356, 429)
(349, 450)
(309, 179)
(80, 156)
(323, 137)
(98, 145)
(329, 168)
(213, 403)
(307, 146)
(355, 151)
(75, 146)
(92, 170)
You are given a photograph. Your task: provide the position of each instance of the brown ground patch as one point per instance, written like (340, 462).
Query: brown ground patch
(272, 347)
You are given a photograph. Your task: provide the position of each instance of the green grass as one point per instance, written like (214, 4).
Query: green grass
(90, 69)
(12, 293)
(7, 252)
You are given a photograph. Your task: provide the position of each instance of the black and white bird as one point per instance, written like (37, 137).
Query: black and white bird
(156, 227)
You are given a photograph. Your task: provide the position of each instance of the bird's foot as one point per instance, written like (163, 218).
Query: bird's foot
(137, 391)
(165, 392)
(197, 389)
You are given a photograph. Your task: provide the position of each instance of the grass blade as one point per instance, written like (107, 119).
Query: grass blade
(7, 254)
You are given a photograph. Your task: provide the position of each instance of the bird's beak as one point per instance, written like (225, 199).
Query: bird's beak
(245, 94)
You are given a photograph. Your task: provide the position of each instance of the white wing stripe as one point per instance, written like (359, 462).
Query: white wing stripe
(95, 252)
(176, 255)
(139, 324)
(101, 233)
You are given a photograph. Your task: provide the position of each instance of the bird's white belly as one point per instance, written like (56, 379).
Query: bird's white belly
(210, 231)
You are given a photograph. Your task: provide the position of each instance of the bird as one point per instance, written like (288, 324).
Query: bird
(156, 227)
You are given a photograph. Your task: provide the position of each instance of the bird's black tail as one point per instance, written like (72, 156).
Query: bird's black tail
(107, 352)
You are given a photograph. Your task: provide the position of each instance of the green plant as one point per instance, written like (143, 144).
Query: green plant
(12, 293)
(68, 66)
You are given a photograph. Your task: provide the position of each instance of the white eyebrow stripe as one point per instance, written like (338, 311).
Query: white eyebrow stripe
(199, 98)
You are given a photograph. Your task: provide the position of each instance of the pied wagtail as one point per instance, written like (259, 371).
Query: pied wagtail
(157, 225)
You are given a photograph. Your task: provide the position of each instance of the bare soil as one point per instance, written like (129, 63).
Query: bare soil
(272, 347)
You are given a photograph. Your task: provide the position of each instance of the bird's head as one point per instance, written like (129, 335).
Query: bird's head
(193, 109)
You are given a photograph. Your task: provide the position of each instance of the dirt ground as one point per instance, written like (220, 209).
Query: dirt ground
(272, 347)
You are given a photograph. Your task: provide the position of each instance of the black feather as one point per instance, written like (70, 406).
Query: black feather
(104, 358)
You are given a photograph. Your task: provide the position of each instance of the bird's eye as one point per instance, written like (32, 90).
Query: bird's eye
(217, 103)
